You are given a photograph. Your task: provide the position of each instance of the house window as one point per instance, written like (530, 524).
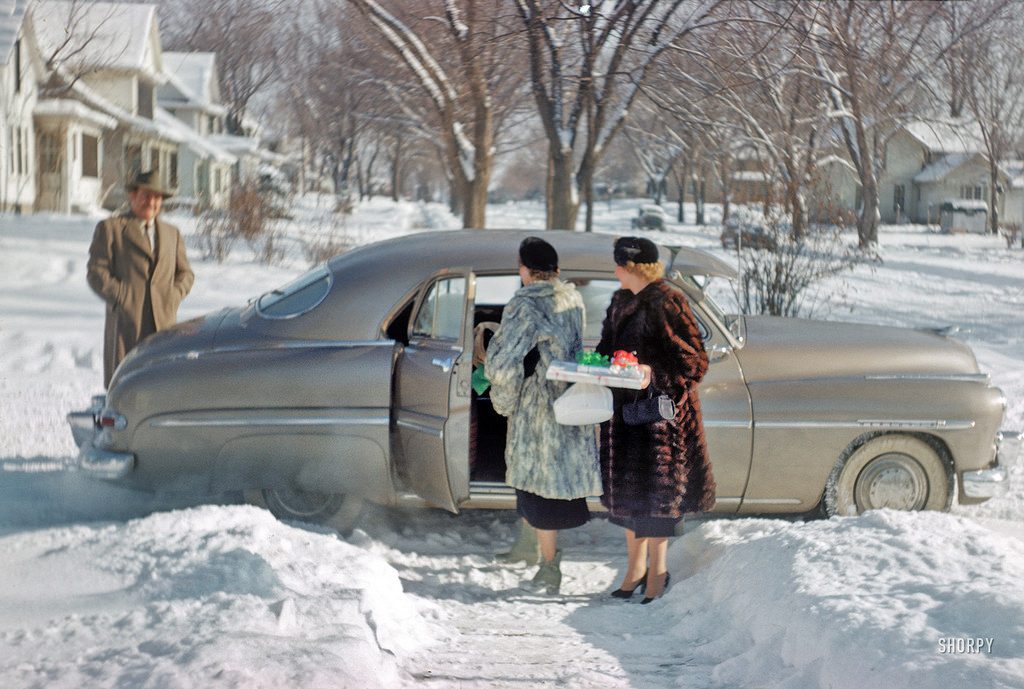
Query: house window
(977, 192)
(20, 154)
(49, 152)
(90, 156)
(17, 66)
(145, 100)
(899, 199)
(133, 159)
(172, 170)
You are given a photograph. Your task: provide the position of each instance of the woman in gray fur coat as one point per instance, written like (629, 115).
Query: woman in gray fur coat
(553, 468)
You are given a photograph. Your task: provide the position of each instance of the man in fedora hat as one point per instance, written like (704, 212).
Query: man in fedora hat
(137, 265)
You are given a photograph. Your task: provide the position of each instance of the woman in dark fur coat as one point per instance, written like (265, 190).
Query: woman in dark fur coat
(653, 474)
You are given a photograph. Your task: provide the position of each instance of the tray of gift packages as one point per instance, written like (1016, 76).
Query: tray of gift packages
(621, 370)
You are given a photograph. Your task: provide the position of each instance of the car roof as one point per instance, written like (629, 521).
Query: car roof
(370, 283)
(425, 253)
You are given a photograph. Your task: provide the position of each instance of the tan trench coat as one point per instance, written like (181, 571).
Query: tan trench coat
(142, 292)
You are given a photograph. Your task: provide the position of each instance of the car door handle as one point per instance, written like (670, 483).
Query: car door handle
(444, 364)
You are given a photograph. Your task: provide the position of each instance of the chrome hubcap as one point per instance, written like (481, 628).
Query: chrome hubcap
(302, 504)
(894, 481)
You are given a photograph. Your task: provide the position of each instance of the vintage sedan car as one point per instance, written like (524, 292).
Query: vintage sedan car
(352, 383)
(649, 217)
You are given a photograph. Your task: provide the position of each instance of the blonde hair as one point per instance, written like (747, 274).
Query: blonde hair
(648, 271)
(543, 274)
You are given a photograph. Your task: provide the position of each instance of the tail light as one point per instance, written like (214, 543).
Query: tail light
(109, 419)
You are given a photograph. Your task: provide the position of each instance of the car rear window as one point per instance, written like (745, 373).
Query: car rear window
(297, 297)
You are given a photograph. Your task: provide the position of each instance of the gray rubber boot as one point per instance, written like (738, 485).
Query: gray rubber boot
(525, 549)
(548, 577)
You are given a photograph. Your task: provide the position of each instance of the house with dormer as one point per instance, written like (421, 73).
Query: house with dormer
(189, 101)
(98, 104)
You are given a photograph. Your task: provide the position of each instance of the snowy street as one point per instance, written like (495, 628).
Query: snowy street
(103, 587)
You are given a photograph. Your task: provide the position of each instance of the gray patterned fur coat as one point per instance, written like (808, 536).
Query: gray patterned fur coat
(542, 456)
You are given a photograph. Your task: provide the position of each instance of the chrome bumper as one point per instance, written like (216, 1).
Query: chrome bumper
(94, 460)
(104, 463)
(994, 482)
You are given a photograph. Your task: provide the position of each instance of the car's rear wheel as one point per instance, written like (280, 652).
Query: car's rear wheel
(897, 472)
(336, 510)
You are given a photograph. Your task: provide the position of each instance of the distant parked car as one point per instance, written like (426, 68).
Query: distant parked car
(354, 382)
(750, 237)
(650, 217)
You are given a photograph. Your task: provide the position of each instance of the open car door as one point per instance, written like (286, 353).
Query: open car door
(432, 391)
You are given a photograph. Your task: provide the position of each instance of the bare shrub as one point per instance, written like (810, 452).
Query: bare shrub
(1011, 233)
(249, 218)
(779, 276)
(216, 237)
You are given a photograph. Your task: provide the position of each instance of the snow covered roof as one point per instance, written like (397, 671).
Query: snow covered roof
(965, 204)
(1015, 171)
(193, 139)
(12, 14)
(191, 79)
(72, 109)
(833, 159)
(749, 176)
(939, 170)
(951, 136)
(246, 146)
(108, 35)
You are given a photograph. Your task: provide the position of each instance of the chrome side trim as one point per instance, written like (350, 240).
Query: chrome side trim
(271, 421)
(726, 423)
(771, 501)
(420, 428)
(292, 344)
(905, 424)
(957, 377)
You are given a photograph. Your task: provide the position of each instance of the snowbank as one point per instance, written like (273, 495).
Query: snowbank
(876, 601)
(207, 597)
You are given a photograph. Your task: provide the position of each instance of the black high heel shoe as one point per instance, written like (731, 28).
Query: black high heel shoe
(646, 600)
(623, 593)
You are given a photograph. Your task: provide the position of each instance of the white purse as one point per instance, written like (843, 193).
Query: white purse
(583, 404)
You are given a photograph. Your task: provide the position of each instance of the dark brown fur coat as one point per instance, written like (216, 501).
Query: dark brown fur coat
(661, 469)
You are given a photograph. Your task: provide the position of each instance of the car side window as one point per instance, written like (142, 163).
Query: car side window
(597, 295)
(440, 314)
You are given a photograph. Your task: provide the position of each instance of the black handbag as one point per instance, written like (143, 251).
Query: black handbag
(648, 410)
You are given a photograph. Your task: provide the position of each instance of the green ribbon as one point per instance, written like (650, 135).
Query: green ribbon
(593, 359)
(479, 380)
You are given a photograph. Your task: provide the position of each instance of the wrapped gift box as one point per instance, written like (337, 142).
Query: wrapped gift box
(572, 372)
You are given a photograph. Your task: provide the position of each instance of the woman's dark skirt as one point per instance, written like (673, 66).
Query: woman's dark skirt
(650, 527)
(551, 514)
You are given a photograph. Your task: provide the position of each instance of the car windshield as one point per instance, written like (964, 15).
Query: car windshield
(297, 297)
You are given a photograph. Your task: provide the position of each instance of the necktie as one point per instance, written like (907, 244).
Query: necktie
(150, 231)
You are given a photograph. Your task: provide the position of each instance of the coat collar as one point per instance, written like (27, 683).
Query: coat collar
(135, 233)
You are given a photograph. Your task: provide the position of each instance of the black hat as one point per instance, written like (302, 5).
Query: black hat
(635, 249)
(536, 254)
(149, 180)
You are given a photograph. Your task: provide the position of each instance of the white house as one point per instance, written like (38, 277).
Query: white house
(189, 102)
(21, 69)
(109, 61)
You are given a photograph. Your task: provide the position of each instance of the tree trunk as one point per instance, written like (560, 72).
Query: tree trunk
(870, 214)
(474, 210)
(563, 201)
(993, 197)
(698, 198)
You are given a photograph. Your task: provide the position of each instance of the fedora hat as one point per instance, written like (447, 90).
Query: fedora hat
(149, 180)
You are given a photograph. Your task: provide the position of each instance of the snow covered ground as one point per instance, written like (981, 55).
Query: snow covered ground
(102, 587)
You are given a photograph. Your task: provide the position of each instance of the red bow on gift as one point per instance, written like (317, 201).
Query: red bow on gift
(624, 359)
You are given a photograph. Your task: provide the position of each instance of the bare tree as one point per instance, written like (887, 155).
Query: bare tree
(876, 60)
(459, 61)
(995, 97)
(586, 68)
(240, 32)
